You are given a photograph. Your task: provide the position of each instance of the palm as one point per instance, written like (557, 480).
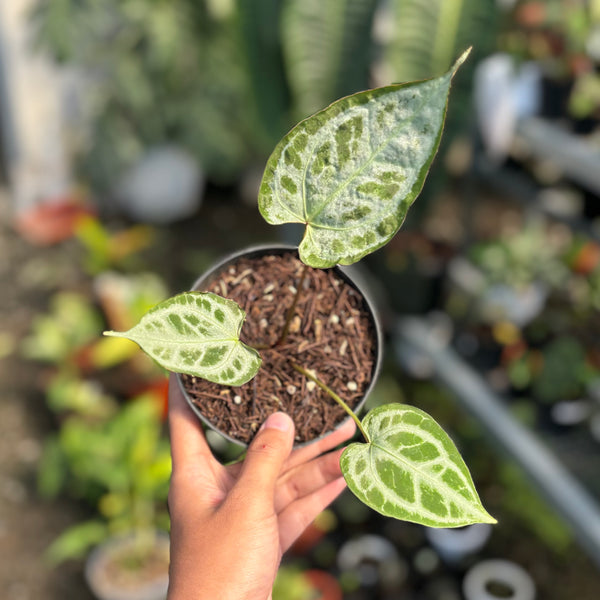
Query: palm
(309, 480)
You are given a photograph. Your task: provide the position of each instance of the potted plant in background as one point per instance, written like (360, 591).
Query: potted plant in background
(349, 173)
(122, 466)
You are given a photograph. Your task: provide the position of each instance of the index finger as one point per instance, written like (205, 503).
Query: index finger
(188, 442)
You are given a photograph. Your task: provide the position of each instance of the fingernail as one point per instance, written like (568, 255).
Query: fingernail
(277, 420)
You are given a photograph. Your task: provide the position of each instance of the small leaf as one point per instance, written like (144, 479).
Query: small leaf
(76, 541)
(197, 333)
(351, 171)
(411, 470)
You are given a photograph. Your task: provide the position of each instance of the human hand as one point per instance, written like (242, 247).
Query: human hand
(231, 525)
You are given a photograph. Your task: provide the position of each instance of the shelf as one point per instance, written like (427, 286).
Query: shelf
(575, 156)
(418, 343)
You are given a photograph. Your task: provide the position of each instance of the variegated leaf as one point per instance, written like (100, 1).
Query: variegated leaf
(197, 333)
(411, 470)
(351, 171)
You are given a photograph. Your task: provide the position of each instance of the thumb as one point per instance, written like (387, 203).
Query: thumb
(265, 457)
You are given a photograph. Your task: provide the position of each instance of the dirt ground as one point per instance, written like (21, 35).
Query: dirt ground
(27, 524)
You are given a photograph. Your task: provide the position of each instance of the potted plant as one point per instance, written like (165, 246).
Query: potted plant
(349, 173)
(122, 466)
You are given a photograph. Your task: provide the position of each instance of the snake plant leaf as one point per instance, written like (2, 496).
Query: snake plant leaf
(197, 333)
(411, 470)
(351, 171)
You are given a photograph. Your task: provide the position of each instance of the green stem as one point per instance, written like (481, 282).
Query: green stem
(237, 460)
(290, 313)
(333, 395)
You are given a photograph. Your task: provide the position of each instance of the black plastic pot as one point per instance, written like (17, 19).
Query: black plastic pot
(347, 274)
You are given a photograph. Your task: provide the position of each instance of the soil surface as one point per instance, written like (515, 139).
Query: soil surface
(331, 333)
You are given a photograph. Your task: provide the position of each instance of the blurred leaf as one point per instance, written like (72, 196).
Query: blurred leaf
(328, 50)
(126, 298)
(8, 343)
(72, 321)
(109, 352)
(259, 25)
(563, 371)
(428, 34)
(113, 505)
(68, 393)
(292, 584)
(52, 469)
(76, 541)
(521, 499)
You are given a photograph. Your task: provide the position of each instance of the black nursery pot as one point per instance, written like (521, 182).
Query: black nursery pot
(345, 274)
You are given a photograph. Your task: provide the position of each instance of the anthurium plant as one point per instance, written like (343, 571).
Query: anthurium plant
(349, 173)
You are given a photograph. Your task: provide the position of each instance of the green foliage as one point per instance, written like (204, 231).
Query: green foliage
(104, 249)
(197, 333)
(351, 171)
(225, 79)
(71, 323)
(122, 466)
(410, 469)
(68, 393)
(428, 34)
(76, 541)
(261, 44)
(425, 36)
(156, 72)
(522, 257)
(563, 370)
(520, 499)
(291, 584)
(328, 49)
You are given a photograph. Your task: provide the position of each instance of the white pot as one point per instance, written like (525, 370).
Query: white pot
(453, 545)
(512, 577)
(163, 187)
(108, 583)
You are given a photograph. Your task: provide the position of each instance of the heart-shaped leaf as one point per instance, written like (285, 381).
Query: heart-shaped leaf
(197, 333)
(411, 470)
(351, 171)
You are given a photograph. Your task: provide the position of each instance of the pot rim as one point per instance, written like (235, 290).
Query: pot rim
(346, 273)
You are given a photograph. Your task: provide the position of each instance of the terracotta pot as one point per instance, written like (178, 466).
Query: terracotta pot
(347, 274)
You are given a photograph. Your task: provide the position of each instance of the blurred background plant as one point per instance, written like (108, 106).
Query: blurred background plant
(121, 466)
(225, 79)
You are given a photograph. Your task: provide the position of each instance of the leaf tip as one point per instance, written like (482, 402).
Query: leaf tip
(489, 519)
(112, 333)
(460, 60)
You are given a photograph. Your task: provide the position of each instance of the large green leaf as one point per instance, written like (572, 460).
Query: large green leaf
(411, 470)
(197, 333)
(351, 171)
